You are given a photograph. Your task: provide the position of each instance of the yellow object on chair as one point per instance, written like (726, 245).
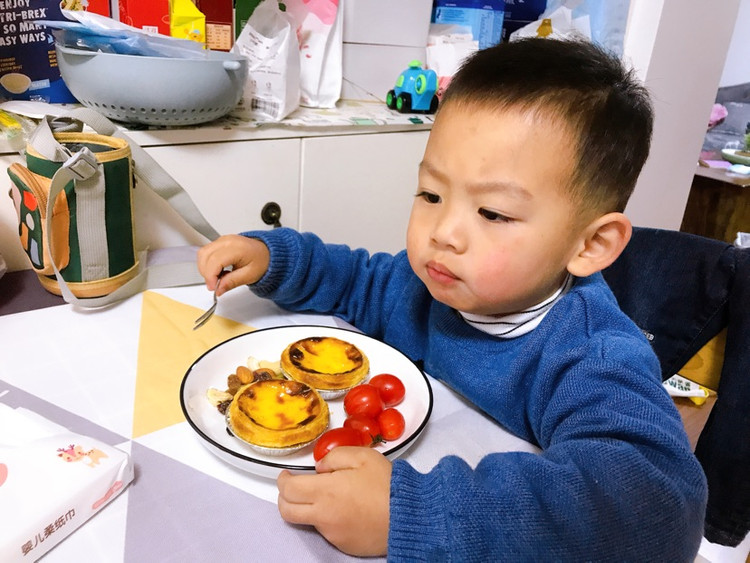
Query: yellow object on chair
(704, 368)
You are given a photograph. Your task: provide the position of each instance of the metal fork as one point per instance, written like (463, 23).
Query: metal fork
(203, 319)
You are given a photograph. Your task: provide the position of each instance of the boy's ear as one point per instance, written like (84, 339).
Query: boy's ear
(601, 243)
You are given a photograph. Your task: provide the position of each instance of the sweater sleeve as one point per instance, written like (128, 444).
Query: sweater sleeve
(615, 481)
(306, 275)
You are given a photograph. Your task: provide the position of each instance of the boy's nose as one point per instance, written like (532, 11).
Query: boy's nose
(449, 232)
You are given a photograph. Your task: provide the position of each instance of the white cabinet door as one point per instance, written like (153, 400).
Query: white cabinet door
(358, 189)
(230, 183)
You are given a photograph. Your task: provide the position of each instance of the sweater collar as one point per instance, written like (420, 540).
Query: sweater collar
(522, 322)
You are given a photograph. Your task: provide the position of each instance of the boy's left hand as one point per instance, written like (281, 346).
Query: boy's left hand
(348, 500)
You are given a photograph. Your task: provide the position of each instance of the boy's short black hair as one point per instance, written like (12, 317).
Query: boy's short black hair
(605, 105)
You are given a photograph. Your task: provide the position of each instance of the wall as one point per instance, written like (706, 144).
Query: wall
(737, 65)
(678, 47)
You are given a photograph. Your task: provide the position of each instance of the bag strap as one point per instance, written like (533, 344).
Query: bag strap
(166, 267)
(147, 171)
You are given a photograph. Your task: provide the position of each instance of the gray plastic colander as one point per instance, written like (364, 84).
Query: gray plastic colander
(154, 90)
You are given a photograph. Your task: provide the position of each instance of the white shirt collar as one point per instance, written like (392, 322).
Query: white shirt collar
(516, 324)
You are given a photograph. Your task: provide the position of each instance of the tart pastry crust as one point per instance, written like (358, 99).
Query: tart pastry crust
(325, 363)
(277, 413)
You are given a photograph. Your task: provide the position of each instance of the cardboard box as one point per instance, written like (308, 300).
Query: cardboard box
(243, 9)
(51, 482)
(387, 22)
(96, 6)
(369, 71)
(219, 16)
(524, 10)
(28, 62)
(485, 19)
(519, 13)
(149, 15)
(186, 21)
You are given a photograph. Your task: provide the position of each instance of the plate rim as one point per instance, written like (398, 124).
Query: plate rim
(281, 466)
(732, 156)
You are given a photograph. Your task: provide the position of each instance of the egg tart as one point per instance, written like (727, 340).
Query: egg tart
(277, 416)
(330, 365)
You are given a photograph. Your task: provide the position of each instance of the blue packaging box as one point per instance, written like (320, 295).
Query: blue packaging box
(483, 17)
(524, 10)
(519, 13)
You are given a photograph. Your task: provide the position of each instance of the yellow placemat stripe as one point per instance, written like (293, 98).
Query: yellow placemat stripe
(167, 346)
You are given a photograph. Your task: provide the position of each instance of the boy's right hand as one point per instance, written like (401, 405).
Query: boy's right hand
(248, 258)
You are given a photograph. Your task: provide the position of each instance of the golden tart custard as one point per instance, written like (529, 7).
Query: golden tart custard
(328, 364)
(277, 414)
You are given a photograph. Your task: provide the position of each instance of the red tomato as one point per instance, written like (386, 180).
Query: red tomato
(335, 438)
(391, 423)
(391, 388)
(363, 399)
(368, 426)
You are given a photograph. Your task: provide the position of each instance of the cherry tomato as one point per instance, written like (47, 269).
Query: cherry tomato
(367, 425)
(391, 423)
(391, 388)
(333, 439)
(363, 399)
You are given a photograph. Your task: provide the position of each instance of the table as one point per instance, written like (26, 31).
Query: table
(718, 205)
(86, 370)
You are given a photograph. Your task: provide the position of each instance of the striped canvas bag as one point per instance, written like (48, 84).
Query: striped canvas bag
(76, 215)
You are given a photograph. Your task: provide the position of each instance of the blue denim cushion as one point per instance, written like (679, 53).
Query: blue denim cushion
(682, 290)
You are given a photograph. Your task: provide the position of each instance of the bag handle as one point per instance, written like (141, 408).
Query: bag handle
(166, 267)
(147, 171)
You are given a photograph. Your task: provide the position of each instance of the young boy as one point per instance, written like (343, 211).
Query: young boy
(533, 155)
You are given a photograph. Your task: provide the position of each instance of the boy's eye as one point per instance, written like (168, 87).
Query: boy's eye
(429, 197)
(494, 216)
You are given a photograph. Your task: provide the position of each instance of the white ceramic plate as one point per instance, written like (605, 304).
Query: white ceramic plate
(213, 367)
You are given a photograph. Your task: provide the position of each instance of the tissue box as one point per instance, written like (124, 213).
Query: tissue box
(387, 22)
(51, 482)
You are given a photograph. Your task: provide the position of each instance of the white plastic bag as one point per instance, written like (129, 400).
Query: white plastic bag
(269, 43)
(559, 24)
(319, 26)
(606, 21)
(448, 46)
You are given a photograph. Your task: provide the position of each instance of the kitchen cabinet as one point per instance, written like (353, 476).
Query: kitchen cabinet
(358, 190)
(231, 182)
(351, 185)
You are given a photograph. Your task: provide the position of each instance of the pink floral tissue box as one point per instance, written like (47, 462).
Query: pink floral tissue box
(51, 482)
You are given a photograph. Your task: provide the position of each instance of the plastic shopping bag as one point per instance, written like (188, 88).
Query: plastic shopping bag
(270, 44)
(319, 26)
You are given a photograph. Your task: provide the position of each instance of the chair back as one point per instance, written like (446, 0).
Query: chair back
(684, 291)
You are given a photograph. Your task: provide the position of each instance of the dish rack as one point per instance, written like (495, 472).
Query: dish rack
(154, 90)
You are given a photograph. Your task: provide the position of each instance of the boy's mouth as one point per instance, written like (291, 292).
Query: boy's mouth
(440, 273)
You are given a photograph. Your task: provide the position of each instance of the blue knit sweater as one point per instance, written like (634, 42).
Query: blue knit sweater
(615, 481)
